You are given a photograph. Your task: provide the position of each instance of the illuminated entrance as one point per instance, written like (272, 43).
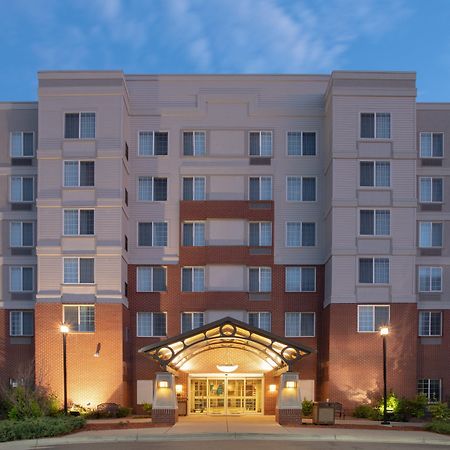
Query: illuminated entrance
(218, 394)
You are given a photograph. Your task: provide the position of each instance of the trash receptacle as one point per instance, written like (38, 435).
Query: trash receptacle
(323, 413)
(182, 407)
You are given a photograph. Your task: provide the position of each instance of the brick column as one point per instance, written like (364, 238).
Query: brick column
(289, 403)
(165, 405)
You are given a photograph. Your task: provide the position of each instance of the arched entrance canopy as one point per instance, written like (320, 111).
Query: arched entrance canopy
(277, 352)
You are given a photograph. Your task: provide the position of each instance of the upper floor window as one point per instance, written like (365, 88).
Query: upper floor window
(151, 324)
(78, 222)
(300, 234)
(261, 320)
(300, 279)
(80, 318)
(79, 173)
(78, 270)
(21, 189)
(79, 125)
(152, 189)
(152, 234)
(194, 188)
(194, 234)
(430, 279)
(374, 270)
(260, 279)
(301, 189)
(300, 324)
(430, 189)
(22, 144)
(375, 173)
(260, 234)
(374, 222)
(372, 317)
(430, 234)
(21, 279)
(191, 320)
(21, 234)
(194, 143)
(153, 143)
(431, 145)
(431, 388)
(260, 143)
(375, 126)
(21, 323)
(151, 279)
(260, 188)
(430, 323)
(193, 279)
(301, 143)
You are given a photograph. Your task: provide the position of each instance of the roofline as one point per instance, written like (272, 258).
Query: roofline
(433, 105)
(18, 105)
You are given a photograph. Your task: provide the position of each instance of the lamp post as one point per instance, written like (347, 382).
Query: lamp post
(64, 329)
(384, 331)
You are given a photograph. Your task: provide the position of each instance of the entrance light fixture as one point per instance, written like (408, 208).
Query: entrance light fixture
(227, 368)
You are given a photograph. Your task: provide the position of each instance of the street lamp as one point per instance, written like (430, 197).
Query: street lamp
(384, 331)
(64, 329)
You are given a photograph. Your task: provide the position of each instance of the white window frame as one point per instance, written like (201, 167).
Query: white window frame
(373, 258)
(420, 244)
(260, 269)
(153, 235)
(299, 313)
(430, 268)
(286, 243)
(152, 331)
(259, 318)
(79, 305)
(195, 154)
(194, 223)
(374, 235)
(22, 177)
(260, 223)
(79, 126)
(375, 185)
(191, 313)
(429, 324)
(431, 201)
(79, 219)
(375, 113)
(301, 275)
(153, 189)
(21, 278)
(259, 177)
(260, 143)
(153, 143)
(151, 277)
(193, 278)
(22, 222)
(78, 258)
(21, 312)
(193, 177)
(11, 147)
(428, 395)
(301, 189)
(432, 134)
(301, 143)
(78, 161)
(373, 317)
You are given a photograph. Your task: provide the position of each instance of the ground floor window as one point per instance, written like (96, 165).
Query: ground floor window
(372, 317)
(80, 318)
(431, 388)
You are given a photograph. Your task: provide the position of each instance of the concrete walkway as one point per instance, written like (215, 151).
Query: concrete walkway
(237, 428)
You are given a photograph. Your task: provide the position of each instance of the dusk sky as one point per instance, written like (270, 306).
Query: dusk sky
(225, 36)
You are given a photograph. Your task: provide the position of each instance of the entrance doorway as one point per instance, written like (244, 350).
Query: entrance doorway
(219, 394)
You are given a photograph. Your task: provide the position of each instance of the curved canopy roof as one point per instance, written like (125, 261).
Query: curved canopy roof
(175, 352)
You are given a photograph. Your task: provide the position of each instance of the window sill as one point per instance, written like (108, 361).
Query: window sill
(374, 139)
(373, 284)
(79, 188)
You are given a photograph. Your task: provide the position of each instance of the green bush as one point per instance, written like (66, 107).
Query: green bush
(147, 407)
(440, 412)
(307, 408)
(408, 408)
(366, 411)
(11, 430)
(123, 411)
(442, 427)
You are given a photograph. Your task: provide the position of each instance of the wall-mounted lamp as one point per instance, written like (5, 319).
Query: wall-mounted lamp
(178, 388)
(291, 384)
(97, 352)
(272, 387)
(163, 384)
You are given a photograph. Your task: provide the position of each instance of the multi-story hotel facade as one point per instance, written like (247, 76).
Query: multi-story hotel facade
(293, 213)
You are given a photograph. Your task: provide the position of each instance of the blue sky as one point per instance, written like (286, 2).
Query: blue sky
(225, 36)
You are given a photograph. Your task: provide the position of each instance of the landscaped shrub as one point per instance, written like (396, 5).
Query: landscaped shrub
(123, 411)
(442, 427)
(409, 408)
(366, 411)
(440, 412)
(147, 407)
(307, 408)
(11, 430)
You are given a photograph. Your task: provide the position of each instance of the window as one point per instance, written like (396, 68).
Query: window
(80, 125)
(260, 143)
(22, 144)
(151, 279)
(300, 324)
(430, 388)
(375, 126)
(375, 173)
(152, 189)
(80, 318)
(301, 143)
(260, 234)
(301, 189)
(430, 323)
(261, 320)
(372, 317)
(21, 279)
(430, 234)
(78, 270)
(430, 279)
(21, 189)
(151, 324)
(194, 143)
(152, 234)
(191, 320)
(125, 195)
(430, 190)
(300, 279)
(153, 143)
(300, 234)
(374, 270)
(193, 279)
(78, 222)
(21, 234)
(260, 188)
(374, 222)
(21, 323)
(194, 234)
(125, 243)
(79, 173)
(260, 279)
(431, 145)
(194, 188)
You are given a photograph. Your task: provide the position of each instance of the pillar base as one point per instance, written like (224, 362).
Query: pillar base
(165, 416)
(289, 417)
